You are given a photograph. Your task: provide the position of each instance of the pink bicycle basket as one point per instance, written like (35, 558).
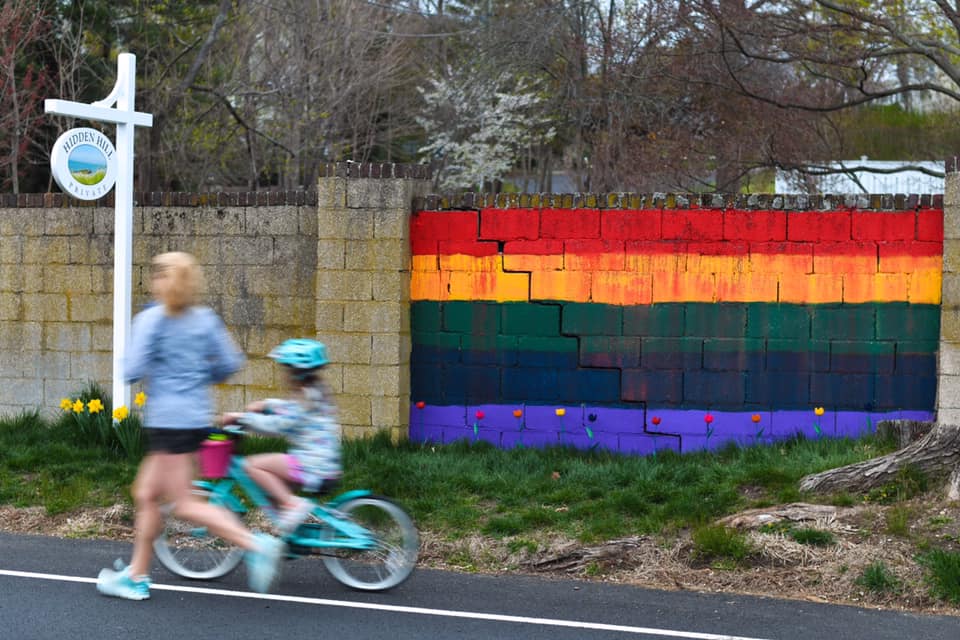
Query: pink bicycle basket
(215, 457)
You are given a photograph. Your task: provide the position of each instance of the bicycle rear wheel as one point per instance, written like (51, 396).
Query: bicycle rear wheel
(192, 551)
(390, 561)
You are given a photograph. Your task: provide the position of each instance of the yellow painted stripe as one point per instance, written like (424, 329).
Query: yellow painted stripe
(660, 278)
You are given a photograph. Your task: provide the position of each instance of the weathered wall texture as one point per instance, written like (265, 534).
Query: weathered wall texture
(653, 324)
(56, 281)
(331, 264)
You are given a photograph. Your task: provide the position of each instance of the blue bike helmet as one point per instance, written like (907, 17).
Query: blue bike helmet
(300, 353)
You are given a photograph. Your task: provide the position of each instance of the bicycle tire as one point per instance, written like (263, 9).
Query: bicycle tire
(193, 552)
(393, 558)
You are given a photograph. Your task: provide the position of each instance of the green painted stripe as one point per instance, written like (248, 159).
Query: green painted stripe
(800, 327)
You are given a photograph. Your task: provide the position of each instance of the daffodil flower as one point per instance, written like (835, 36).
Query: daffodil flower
(121, 413)
(140, 399)
(95, 406)
(77, 406)
(66, 404)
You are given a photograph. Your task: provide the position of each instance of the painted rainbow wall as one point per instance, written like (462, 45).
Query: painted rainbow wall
(671, 328)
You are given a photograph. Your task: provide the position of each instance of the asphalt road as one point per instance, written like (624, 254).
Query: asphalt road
(47, 592)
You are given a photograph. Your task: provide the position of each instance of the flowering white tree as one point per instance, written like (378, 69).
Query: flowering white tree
(476, 130)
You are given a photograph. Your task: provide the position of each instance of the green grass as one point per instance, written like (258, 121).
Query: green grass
(942, 574)
(879, 579)
(461, 489)
(723, 548)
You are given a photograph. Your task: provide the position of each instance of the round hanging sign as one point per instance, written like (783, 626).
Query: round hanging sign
(84, 163)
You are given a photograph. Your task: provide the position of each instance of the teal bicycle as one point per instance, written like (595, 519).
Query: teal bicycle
(367, 542)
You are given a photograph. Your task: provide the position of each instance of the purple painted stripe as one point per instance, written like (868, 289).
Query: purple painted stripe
(633, 431)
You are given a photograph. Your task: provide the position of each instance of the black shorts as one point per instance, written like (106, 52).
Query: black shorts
(174, 440)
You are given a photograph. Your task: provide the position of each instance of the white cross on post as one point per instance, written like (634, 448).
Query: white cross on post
(126, 119)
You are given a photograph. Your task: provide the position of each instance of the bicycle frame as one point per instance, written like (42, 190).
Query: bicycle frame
(346, 533)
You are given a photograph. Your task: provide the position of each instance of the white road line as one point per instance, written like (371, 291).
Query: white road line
(549, 622)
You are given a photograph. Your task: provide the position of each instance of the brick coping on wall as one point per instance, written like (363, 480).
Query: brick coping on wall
(439, 202)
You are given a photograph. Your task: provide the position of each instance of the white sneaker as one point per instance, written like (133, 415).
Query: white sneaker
(263, 565)
(120, 584)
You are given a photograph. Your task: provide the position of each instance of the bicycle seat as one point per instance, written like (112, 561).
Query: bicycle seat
(329, 487)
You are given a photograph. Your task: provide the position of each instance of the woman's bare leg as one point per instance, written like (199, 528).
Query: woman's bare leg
(169, 476)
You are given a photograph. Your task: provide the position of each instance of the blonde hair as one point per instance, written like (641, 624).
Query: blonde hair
(186, 279)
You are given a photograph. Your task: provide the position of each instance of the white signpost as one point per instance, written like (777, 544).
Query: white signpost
(74, 180)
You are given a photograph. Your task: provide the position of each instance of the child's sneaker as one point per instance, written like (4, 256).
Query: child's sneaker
(291, 518)
(119, 584)
(263, 564)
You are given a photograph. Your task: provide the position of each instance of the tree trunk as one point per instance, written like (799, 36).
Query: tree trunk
(935, 455)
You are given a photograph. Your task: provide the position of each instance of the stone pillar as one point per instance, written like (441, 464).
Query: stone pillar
(948, 384)
(363, 290)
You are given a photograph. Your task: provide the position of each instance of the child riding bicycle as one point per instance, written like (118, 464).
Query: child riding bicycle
(307, 420)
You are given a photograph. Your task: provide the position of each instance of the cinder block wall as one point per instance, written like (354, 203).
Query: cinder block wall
(56, 281)
(332, 263)
(948, 390)
(638, 323)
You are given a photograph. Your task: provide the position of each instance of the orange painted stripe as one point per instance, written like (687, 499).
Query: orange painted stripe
(683, 277)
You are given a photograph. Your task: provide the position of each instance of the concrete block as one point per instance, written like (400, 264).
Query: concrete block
(11, 251)
(391, 348)
(10, 306)
(55, 364)
(392, 224)
(67, 222)
(950, 326)
(56, 389)
(24, 391)
(85, 308)
(948, 392)
(246, 250)
(331, 193)
(48, 306)
(377, 255)
(22, 222)
(272, 221)
(950, 290)
(377, 317)
(298, 252)
(344, 223)
(389, 411)
(329, 315)
(229, 397)
(75, 278)
(391, 286)
(46, 250)
(948, 416)
(307, 221)
(347, 348)
(331, 253)
(951, 255)
(951, 196)
(287, 311)
(354, 410)
(94, 365)
(949, 358)
(17, 336)
(379, 193)
(66, 336)
(344, 285)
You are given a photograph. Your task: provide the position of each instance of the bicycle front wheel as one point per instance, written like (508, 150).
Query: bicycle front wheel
(192, 551)
(392, 558)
